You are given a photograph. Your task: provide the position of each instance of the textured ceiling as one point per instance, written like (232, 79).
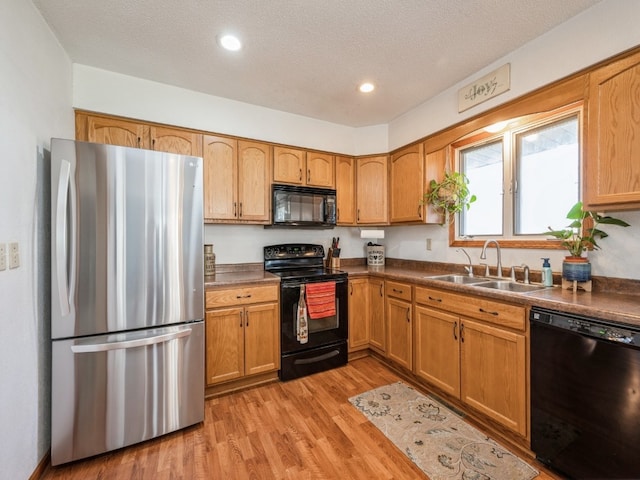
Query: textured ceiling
(305, 56)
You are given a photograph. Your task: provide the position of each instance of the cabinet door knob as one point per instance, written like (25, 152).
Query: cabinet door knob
(408, 315)
(240, 319)
(462, 332)
(300, 176)
(455, 328)
(308, 176)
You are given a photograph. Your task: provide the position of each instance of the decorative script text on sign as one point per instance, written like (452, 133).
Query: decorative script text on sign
(495, 83)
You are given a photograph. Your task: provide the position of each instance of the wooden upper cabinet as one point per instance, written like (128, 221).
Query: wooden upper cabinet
(112, 131)
(345, 190)
(254, 187)
(171, 140)
(371, 190)
(406, 187)
(236, 180)
(611, 166)
(128, 133)
(220, 178)
(434, 167)
(320, 170)
(299, 167)
(289, 165)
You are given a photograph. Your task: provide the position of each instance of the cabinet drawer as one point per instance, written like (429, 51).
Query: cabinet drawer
(240, 296)
(498, 313)
(398, 290)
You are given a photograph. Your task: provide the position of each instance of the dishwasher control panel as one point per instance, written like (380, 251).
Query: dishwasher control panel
(586, 326)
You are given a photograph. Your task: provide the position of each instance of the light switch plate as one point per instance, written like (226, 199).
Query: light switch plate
(3, 256)
(14, 255)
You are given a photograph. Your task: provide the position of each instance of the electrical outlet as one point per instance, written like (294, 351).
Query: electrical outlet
(3, 256)
(14, 255)
(428, 244)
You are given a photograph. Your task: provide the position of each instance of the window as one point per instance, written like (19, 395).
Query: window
(525, 178)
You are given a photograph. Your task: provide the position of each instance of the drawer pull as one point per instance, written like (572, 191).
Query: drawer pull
(247, 317)
(462, 332)
(455, 328)
(381, 292)
(240, 319)
(487, 311)
(433, 299)
(396, 290)
(408, 316)
(244, 296)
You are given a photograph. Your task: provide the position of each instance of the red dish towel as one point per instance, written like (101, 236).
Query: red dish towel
(321, 300)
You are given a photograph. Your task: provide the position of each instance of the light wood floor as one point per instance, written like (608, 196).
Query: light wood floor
(302, 429)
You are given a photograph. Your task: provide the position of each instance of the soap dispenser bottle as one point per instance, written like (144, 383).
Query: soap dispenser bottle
(547, 274)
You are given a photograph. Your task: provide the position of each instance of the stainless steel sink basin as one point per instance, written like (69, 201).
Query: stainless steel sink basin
(457, 279)
(510, 286)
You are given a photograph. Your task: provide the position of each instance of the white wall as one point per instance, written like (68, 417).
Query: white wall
(103, 91)
(600, 32)
(35, 104)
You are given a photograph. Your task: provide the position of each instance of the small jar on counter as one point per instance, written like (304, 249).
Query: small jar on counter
(209, 261)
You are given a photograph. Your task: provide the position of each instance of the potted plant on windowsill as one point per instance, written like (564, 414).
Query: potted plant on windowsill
(579, 236)
(449, 196)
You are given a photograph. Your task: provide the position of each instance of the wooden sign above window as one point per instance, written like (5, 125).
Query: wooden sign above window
(489, 86)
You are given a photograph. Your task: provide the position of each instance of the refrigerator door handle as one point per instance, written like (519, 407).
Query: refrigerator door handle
(139, 342)
(62, 240)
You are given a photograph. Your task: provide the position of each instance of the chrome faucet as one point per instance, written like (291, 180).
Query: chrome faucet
(468, 268)
(525, 267)
(483, 255)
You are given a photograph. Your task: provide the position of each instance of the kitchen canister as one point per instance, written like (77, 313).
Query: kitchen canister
(375, 255)
(209, 260)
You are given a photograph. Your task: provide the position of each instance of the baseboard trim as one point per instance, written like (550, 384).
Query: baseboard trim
(42, 467)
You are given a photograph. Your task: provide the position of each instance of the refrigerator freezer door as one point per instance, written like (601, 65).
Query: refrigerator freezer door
(126, 239)
(110, 391)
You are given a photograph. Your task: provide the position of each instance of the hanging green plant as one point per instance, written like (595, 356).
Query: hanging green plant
(449, 196)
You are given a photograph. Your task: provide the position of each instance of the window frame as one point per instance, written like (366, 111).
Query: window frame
(516, 127)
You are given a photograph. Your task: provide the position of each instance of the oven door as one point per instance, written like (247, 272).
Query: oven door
(323, 331)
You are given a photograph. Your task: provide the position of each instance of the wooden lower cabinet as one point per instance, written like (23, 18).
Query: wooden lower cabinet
(493, 373)
(358, 314)
(399, 325)
(377, 324)
(438, 349)
(241, 339)
(481, 361)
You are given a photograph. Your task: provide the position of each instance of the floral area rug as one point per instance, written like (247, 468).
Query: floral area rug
(436, 439)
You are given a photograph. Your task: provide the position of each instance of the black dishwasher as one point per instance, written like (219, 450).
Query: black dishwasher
(585, 395)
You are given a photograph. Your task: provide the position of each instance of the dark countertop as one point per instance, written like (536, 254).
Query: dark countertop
(230, 278)
(620, 308)
(616, 307)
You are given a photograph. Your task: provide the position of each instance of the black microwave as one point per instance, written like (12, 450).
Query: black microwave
(295, 206)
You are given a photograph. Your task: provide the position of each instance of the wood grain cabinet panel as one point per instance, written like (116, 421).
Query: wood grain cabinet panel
(612, 169)
(289, 165)
(398, 315)
(242, 332)
(406, 187)
(345, 190)
(377, 326)
(371, 190)
(320, 170)
(114, 131)
(236, 180)
(358, 314)
(493, 373)
(172, 140)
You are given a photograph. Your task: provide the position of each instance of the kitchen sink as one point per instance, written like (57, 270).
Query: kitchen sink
(510, 286)
(466, 279)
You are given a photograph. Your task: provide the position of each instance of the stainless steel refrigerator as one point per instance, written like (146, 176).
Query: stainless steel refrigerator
(127, 305)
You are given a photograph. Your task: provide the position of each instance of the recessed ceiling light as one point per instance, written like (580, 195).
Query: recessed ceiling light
(230, 42)
(366, 87)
